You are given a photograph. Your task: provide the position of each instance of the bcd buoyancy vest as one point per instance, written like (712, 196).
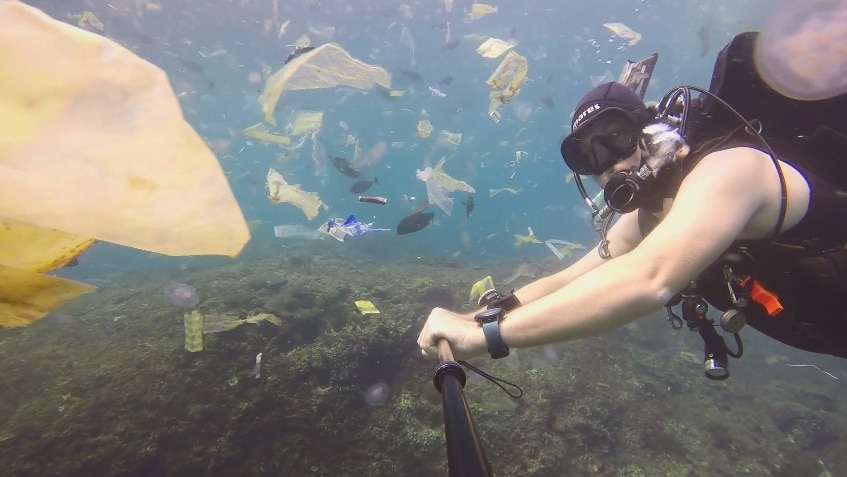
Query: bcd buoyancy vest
(798, 279)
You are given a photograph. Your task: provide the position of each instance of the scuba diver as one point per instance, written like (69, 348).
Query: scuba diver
(745, 215)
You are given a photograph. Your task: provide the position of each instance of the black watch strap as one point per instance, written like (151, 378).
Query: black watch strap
(496, 346)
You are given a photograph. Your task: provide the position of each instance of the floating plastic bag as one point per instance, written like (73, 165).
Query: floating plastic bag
(439, 184)
(93, 145)
(506, 81)
(326, 66)
(281, 191)
(494, 48)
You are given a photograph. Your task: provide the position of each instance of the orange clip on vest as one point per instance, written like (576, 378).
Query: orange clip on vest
(764, 297)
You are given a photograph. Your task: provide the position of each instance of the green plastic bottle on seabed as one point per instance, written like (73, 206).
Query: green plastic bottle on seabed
(193, 331)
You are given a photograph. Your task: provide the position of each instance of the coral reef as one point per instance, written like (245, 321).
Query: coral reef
(113, 392)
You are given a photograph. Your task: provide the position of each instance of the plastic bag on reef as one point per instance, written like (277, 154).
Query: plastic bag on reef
(93, 144)
(326, 66)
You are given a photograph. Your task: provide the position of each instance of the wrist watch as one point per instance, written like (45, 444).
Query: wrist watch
(490, 322)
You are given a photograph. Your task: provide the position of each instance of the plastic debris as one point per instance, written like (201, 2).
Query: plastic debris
(525, 239)
(424, 128)
(493, 192)
(448, 5)
(479, 10)
(449, 140)
(326, 66)
(86, 169)
(94, 144)
(193, 331)
(281, 191)
(494, 48)
(366, 307)
(221, 323)
(506, 81)
(439, 184)
(260, 132)
(89, 21)
(283, 28)
(622, 31)
(479, 288)
(340, 229)
(566, 248)
(257, 368)
(407, 39)
(296, 232)
(306, 122)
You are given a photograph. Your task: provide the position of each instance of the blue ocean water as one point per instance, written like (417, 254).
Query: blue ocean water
(213, 51)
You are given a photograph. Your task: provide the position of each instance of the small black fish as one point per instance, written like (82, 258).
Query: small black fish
(469, 205)
(446, 81)
(452, 44)
(415, 222)
(343, 166)
(512, 32)
(548, 101)
(360, 186)
(297, 52)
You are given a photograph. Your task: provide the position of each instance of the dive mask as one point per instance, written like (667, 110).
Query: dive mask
(608, 138)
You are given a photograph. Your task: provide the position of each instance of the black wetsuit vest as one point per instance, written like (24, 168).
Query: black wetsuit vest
(805, 267)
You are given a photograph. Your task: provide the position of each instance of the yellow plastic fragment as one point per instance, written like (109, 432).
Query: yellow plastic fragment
(494, 48)
(479, 10)
(36, 249)
(260, 132)
(525, 239)
(448, 182)
(27, 296)
(193, 331)
(449, 140)
(479, 288)
(89, 21)
(625, 32)
(366, 307)
(281, 191)
(326, 66)
(424, 128)
(93, 143)
(394, 93)
(506, 81)
(306, 122)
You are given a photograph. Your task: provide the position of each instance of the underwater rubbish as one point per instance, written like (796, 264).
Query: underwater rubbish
(181, 295)
(257, 368)
(377, 394)
(366, 307)
(193, 331)
(340, 230)
(373, 199)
